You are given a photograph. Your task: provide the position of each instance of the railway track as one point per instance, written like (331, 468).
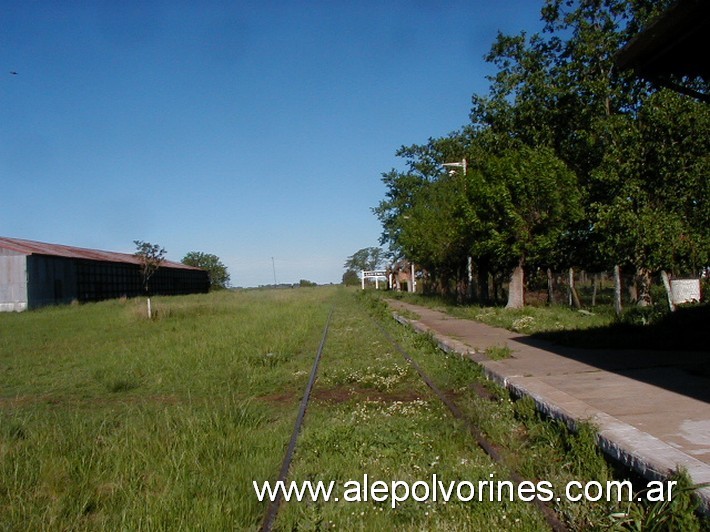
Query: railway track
(273, 507)
(489, 448)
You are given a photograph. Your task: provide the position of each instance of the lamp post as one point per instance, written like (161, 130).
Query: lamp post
(469, 267)
(461, 164)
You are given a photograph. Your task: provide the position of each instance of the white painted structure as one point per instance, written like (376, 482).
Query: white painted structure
(685, 291)
(373, 274)
(13, 281)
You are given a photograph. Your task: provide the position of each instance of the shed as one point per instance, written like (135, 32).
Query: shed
(36, 274)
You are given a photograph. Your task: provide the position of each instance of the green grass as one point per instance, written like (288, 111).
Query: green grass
(652, 328)
(499, 352)
(112, 421)
(529, 320)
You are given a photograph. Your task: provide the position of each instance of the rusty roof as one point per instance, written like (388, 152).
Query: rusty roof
(30, 247)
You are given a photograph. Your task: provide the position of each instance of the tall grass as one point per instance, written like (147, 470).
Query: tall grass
(109, 420)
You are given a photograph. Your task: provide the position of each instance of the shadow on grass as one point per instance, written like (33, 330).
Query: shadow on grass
(687, 329)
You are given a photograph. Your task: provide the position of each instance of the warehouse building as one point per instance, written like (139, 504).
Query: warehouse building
(35, 274)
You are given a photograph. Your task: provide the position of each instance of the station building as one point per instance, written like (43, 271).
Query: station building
(36, 274)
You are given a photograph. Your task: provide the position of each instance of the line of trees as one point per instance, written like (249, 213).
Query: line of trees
(571, 163)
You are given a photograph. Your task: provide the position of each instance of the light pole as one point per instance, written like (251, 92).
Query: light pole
(461, 164)
(469, 267)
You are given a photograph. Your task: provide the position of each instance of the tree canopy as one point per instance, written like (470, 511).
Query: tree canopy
(216, 270)
(371, 258)
(151, 257)
(571, 162)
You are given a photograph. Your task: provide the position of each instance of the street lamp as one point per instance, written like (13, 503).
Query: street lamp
(461, 164)
(469, 267)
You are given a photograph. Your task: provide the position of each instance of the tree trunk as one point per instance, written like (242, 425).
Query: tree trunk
(667, 286)
(595, 284)
(550, 288)
(516, 291)
(617, 290)
(643, 281)
(631, 289)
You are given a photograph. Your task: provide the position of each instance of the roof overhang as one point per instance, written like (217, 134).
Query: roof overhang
(31, 247)
(673, 47)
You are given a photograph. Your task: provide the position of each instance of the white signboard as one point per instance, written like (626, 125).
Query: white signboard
(685, 290)
(374, 274)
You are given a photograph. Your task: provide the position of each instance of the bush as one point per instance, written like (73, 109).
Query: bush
(644, 315)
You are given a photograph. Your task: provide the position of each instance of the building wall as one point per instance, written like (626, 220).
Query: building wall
(33, 281)
(13, 281)
(57, 280)
(51, 280)
(97, 280)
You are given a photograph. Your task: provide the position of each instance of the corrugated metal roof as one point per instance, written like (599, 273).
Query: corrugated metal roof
(30, 247)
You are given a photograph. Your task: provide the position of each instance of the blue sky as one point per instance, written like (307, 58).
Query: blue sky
(250, 130)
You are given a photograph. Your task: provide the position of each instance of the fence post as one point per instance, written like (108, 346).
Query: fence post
(669, 293)
(573, 297)
(617, 290)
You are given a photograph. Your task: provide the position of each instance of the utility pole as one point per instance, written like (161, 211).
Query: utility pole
(273, 265)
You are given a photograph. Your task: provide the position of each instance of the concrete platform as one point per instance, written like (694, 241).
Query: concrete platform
(652, 408)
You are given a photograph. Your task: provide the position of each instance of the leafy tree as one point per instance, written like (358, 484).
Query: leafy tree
(351, 278)
(371, 258)
(424, 214)
(560, 89)
(435, 230)
(526, 201)
(151, 256)
(652, 217)
(216, 270)
(572, 163)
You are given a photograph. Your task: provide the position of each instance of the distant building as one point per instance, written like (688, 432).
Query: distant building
(35, 274)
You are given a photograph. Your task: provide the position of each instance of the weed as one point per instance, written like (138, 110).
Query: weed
(501, 352)
(671, 513)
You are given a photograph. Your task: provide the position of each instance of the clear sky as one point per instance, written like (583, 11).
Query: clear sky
(250, 130)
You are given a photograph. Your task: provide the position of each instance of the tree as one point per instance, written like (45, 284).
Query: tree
(150, 256)
(572, 163)
(425, 215)
(652, 217)
(351, 278)
(436, 230)
(525, 201)
(371, 258)
(217, 272)
(639, 153)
